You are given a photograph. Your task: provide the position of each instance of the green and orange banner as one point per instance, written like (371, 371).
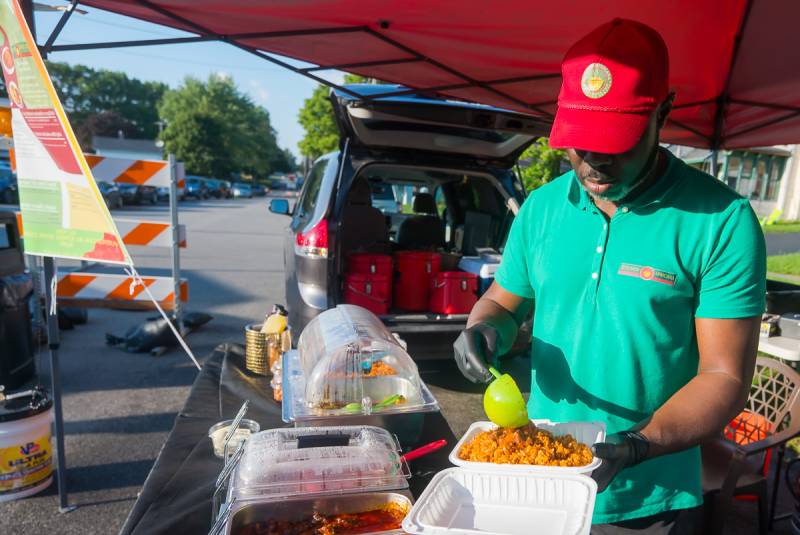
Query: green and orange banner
(62, 209)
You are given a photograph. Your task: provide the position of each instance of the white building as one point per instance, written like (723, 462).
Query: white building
(768, 176)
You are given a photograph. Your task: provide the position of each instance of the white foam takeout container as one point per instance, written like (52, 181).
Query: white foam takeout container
(585, 432)
(460, 501)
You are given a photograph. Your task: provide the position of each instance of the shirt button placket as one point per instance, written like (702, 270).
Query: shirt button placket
(597, 263)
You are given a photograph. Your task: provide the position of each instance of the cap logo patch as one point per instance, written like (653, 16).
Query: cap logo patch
(596, 80)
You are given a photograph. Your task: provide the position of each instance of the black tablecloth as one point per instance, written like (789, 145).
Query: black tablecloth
(176, 497)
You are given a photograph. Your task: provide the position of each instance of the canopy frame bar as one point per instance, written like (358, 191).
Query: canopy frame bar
(769, 105)
(464, 85)
(693, 130)
(124, 44)
(724, 96)
(695, 103)
(62, 21)
(205, 31)
(764, 124)
(204, 36)
(454, 72)
(361, 65)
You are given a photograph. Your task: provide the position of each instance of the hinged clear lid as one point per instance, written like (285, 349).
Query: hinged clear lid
(319, 460)
(351, 364)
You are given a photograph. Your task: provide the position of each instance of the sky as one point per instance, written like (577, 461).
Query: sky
(279, 90)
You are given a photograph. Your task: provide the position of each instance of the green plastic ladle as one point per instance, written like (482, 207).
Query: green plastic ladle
(503, 401)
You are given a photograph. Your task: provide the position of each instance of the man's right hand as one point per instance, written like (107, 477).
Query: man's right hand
(474, 349)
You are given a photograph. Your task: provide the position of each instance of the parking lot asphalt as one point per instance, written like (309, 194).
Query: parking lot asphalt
(119, 407)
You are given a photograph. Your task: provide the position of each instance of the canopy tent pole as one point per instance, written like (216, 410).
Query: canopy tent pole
(53, 344)
(714, 164)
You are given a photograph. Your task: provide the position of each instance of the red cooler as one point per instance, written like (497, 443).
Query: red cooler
(453, 292)
(377, 264)
(373, 292)
(414, 272)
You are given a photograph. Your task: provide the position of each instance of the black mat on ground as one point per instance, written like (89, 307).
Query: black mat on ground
(176, 497)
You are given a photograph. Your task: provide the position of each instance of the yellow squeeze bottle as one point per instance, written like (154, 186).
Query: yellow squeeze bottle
(276, 322)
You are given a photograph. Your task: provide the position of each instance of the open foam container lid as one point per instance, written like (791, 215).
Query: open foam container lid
(467, 501)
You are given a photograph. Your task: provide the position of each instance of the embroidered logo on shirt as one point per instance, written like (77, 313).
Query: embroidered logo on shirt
(647, 273)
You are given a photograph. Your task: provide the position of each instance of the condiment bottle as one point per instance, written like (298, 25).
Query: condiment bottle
(276, 322)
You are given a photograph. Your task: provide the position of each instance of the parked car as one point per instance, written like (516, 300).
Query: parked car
(111, 194)
(196, 188)
(242, 190)
(259, 190)
(227, 189)
(136, 194)
(383, 198)
(463, 153)
(218, 189)
(277, 185)
(9, 190)
(212, 186)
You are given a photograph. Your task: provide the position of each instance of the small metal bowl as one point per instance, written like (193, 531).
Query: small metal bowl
(218, 431)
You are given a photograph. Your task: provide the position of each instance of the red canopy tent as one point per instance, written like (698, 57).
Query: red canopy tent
(735, 64)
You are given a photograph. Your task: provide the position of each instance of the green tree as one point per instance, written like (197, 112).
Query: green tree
(240, 140)
(196, 137)
(540, 164)
(316, 118)
(283, 162)
(96, 100)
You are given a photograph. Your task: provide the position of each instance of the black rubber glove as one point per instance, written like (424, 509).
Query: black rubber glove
(474, 348)
(619, 451)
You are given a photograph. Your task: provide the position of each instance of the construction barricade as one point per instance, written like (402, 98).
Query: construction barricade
(98, 290)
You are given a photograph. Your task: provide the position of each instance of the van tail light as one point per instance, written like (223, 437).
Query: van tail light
(313, 242)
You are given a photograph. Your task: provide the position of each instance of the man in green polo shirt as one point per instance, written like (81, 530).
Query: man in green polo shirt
(647, 279)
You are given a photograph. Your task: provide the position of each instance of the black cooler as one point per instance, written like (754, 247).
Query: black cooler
(16, 288)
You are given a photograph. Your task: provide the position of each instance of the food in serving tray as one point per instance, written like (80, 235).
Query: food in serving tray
(389, 517)
(394, 399)
(525, 445)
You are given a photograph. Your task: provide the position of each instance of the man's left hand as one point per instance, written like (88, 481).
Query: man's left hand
(619, 451)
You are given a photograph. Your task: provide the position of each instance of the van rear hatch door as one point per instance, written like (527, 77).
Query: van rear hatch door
(410, 123)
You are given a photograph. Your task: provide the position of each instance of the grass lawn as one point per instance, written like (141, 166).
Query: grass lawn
(788, 264)
(782, 227)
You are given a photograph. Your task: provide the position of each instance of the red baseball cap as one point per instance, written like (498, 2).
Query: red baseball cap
(611, 81)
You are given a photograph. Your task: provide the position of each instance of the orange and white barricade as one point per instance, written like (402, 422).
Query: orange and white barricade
(140, 233)
(128, 171)
(148, 233)
(97, 290)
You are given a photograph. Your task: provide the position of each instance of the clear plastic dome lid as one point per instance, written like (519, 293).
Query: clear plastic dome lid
(283, 462)
(353, 365)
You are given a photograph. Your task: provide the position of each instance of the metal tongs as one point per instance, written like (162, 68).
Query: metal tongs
(34, 393)
(231, 462)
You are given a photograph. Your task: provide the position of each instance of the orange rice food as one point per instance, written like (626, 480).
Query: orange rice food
(380, 368)
(525, 445)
